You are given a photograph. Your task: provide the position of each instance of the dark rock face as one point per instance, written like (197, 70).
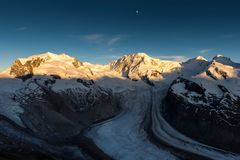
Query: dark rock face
(18, 69)
(203, 116)
(25, 71)
(76, 63)
(54, 121)
(146, 80)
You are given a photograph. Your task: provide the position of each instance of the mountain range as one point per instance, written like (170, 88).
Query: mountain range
(55, 106)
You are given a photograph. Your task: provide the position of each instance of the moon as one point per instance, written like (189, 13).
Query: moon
(137, 11)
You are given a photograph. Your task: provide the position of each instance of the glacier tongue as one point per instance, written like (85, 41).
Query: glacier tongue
(123, 137)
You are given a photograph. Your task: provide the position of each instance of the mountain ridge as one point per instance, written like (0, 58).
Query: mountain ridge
(136, 66)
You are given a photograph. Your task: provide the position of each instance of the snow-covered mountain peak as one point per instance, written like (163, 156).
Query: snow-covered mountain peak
(219, 55)
(136, 57)
(47, 56)
(225, 60)
(48, 63)
(141, 54)
(194, 66)
(201, 58)
(196, 60)
(141, 66)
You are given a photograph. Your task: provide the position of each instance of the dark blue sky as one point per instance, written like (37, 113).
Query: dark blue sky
(101, 30)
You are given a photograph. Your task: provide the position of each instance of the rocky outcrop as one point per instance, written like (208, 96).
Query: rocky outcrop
(204, 116)
(76, 63)
(18, 69)
(218, 71)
